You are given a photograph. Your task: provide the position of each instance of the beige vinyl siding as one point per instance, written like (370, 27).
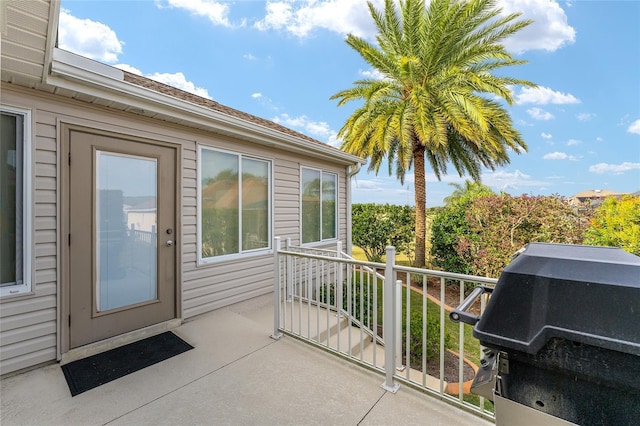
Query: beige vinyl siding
(29, 323)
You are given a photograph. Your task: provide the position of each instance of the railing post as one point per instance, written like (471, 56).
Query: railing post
(388, 319)
(339, 249)
(276, 289)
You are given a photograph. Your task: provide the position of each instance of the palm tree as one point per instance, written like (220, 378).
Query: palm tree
(437, 64)
(470, 189)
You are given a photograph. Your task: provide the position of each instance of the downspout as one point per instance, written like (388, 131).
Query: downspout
(354, 169)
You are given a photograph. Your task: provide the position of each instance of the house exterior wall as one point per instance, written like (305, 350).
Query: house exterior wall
(31, 330)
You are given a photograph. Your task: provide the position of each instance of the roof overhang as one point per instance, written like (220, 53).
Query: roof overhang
(92, 79)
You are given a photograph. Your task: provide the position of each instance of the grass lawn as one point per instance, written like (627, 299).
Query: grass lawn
(358, 253)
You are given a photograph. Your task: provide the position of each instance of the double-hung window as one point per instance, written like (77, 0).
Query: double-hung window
(318, 199)
(15, 235)
(234, 202)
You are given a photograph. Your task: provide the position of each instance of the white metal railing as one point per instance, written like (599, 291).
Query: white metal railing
(379, 315)
(143, 236)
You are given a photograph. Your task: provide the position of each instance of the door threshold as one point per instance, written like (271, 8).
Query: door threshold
(117, 341)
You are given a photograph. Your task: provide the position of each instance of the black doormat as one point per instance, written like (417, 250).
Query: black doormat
(96, 370)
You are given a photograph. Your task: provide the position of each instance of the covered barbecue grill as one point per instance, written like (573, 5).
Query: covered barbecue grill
(562, 337)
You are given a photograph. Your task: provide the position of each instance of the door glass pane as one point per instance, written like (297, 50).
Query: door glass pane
(126, 221)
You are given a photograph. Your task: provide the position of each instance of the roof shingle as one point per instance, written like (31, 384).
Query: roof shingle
(156, 86)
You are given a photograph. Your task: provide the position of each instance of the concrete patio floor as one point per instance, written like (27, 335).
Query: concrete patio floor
(236, 375)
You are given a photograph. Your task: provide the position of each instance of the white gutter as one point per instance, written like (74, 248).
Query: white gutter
(79, 74)
(52, 36)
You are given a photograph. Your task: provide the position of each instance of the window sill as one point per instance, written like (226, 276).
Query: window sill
(230, 258)
(323, 243)
(15, 291)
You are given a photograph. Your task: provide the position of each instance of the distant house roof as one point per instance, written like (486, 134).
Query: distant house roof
(596, 193)
(592, 198)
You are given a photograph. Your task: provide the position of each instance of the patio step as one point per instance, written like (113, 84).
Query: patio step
(327, 329)
(337, 328)
(349, 338)
(357, 350)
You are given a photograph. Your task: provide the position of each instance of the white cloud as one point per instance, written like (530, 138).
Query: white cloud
(616, 169)
(177, 80)
(431, 177)
(372, 73)
(550, 31)
(559, 156)
(316, 129)
(540, 114)
(585, 116)
(256, 95)
(97, 41)
(543, 95)
(599, 139)
(546, 135)
(388, 187)
(505, 180)
(300, 18)
(215, 11)
(368, 185)
(334, 140)
(249, 57)
(128, 68)
(572, 142)
(626, 119)
(634, 127)
(88, 38)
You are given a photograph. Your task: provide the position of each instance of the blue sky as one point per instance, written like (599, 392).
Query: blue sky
(282, 60)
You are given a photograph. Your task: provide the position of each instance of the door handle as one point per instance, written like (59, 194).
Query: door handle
(169, 243)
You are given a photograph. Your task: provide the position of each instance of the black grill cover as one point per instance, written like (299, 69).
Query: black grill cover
(583, 294)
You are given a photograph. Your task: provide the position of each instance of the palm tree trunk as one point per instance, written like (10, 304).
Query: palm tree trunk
(421, 203)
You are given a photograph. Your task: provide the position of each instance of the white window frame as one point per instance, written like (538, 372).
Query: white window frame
(27, 207)
(337, 210)
(241, 253)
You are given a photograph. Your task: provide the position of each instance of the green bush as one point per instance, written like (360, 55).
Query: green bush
(616, 223)
(376, 226)
(501, 224)
(329, 291)
(416, 337)
(450, 224)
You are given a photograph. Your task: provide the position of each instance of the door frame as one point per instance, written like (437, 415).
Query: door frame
(67, 354)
